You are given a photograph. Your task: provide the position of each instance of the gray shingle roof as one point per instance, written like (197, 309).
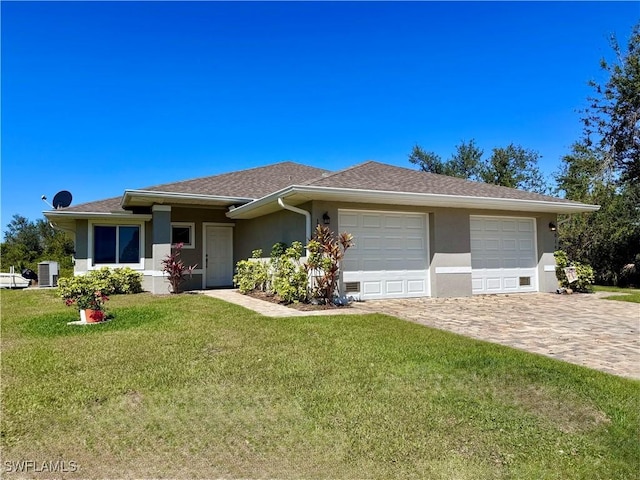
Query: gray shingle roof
(261, 181)
(250, 183)
(380, 176)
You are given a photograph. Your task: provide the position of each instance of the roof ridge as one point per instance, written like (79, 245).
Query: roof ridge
(232, 172)
(337, 172)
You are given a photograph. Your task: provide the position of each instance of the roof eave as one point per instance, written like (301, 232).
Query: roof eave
(297, 194)
(147, 198)
(73, 215)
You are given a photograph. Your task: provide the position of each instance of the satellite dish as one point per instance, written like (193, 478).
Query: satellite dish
(62, 199)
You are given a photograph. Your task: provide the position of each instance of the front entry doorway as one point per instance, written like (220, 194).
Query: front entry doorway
(218, 256)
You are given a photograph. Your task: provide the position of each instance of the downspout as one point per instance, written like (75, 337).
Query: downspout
(300, 211)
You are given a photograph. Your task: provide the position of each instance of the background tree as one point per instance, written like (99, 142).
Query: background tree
(427, 161)
(512, 166)
(26, 243)
(465, 162)
(609, 239)
(612, 120)
(604, 169)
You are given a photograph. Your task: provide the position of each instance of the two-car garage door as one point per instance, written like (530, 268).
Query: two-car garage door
(503, 255)
(389, 258)
(390, 255)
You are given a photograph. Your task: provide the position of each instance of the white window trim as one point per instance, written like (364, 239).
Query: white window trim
(192, 233)
(114, 223)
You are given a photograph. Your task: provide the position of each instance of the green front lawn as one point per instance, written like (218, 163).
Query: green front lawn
(191, 387)
(628, 294)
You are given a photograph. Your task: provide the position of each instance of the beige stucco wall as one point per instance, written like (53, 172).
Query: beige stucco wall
(263, 232)
(198, 216)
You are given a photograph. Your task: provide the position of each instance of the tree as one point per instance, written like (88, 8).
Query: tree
(27, 243)
(608, 239)
(612, 120)
(427, 161)
(514, 167)
(466, 162)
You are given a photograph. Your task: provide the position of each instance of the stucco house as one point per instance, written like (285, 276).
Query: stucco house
(416, 233)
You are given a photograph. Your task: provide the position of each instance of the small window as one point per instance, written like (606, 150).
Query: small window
(183, 233)
(525, 281)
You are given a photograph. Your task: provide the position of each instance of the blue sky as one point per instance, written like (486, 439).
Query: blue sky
(100, 97)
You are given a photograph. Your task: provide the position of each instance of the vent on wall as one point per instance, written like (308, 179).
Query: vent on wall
(352, 287)
(525, 281)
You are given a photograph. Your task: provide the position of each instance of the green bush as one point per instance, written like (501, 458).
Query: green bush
(283, 274)
(106, 280)
(252, 275)
(584, 272)
(290, 280)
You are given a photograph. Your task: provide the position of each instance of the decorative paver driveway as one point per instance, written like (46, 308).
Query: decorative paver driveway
(583, 328)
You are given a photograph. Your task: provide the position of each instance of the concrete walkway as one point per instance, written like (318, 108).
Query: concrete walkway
(269, 309)
(581, 329)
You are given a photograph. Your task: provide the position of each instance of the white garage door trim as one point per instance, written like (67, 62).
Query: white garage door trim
(503, 254)
(390, 258)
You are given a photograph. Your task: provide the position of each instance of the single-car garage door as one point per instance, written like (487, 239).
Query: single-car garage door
(503, 255)
(389, 258)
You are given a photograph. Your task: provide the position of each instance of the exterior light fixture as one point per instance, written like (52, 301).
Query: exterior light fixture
(552, 227)
(326, 218)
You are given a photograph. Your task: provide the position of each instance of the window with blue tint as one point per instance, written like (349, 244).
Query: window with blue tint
(104, 244)
(116, 244)
(129, 244)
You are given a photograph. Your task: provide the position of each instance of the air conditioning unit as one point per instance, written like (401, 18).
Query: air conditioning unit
(48, 274)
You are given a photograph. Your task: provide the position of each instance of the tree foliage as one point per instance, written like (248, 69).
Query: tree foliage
(603, 169)
(608, 239)
(28, 242)
(511, 166)
(612, 120)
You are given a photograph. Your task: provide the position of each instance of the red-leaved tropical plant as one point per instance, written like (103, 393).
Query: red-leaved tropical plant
(325, 257)
(176, 269)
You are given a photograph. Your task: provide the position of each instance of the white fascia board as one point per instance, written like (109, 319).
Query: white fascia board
(407, 198)
(53, 215)
(151, 196)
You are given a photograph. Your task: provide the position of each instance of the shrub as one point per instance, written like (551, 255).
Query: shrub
(126, 280)
(252, 274)
(84, 291)
(325, 256)
(176, 269)
(116, 281)
(584, 272)
(290, 280)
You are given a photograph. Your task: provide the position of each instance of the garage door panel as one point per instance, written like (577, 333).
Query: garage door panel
(509, 244)
(393, 243)
(371, 221)
(415, 243)
(525, 226)
(348, 220)
(370, 243)
(392, 260)
(508, 226)
(394, 221)
(499, 270)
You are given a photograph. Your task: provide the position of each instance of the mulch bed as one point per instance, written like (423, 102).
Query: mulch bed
(305, 307)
